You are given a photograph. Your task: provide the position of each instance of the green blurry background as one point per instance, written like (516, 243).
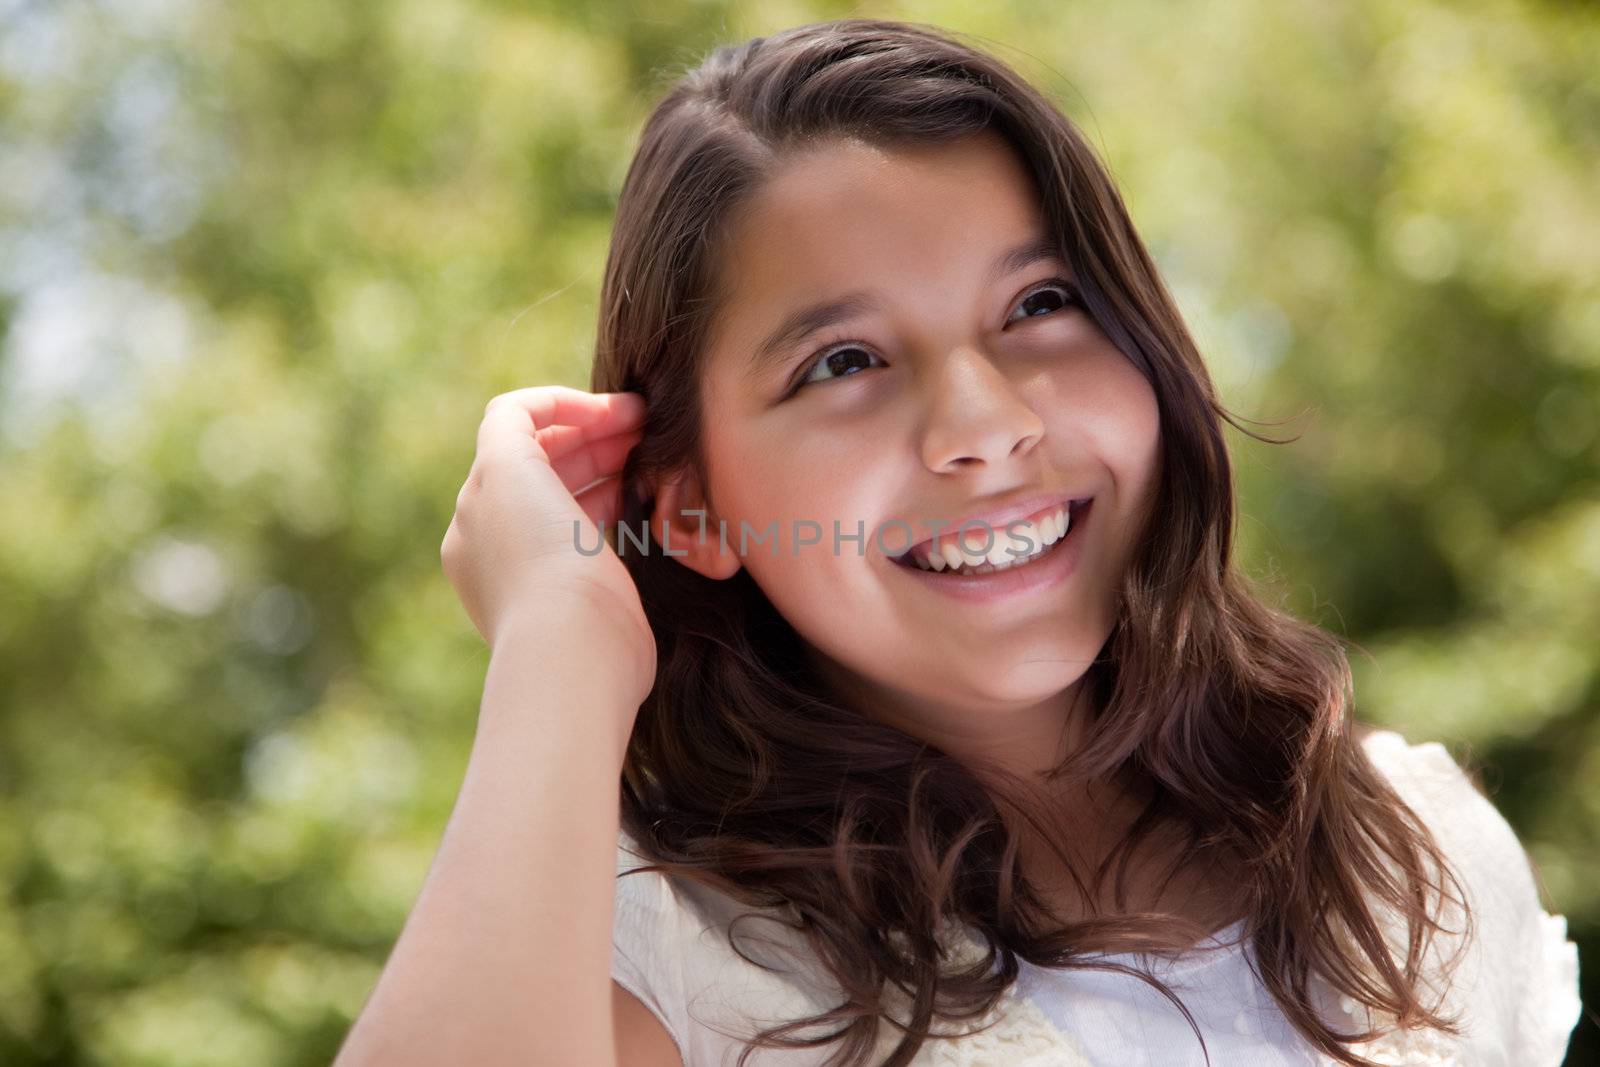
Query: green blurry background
(261, 265)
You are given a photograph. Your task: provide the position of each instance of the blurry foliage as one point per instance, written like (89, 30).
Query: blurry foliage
(262, 264)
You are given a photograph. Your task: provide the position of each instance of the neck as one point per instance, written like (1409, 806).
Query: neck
(1015, 746)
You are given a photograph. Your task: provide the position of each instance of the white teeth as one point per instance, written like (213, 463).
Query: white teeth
(1024, 535)
(957, 554)
(1055, 526)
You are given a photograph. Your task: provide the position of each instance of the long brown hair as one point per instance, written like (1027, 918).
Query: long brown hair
(745, 774)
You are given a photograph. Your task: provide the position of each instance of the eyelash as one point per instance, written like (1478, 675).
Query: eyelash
(844, 344)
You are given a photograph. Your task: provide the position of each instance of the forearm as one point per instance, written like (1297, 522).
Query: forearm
(507, 951)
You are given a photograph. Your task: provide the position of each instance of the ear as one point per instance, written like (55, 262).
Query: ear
(685, 528)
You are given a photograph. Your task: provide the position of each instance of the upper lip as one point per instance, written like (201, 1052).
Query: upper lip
(995, 518)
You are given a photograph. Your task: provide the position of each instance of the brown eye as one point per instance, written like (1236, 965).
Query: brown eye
(1053, 295)
(843, 361)
(1044, 294)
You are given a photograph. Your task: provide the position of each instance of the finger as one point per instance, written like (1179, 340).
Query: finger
(507, 428)
(551, 405)
(447, 546)
(561, 441)
(524, 413)
(601, 459)
(602, 502)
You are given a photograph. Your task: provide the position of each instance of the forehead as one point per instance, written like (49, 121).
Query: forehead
(849, 215)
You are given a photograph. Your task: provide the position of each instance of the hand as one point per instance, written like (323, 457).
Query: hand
(544, 478)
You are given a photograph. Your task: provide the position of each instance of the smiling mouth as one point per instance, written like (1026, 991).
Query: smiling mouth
(1016, 545)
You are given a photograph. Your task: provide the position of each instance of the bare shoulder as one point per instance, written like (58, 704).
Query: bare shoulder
(642, 1041)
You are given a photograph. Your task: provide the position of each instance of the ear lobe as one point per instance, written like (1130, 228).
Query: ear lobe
(684, 528)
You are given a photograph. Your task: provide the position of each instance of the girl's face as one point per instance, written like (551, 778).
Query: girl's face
(969, 383)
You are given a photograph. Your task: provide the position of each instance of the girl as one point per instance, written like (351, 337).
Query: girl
(947, 731)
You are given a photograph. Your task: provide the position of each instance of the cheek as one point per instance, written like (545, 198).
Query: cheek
(1141, 430)
(1137, 425)
(785, 486)
(776, 472)
(1104, 402)
(1107, 424)
(800, 493)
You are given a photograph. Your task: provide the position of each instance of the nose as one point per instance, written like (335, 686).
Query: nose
(976, 416)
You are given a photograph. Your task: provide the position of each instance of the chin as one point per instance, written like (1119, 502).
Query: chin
(1031, 678)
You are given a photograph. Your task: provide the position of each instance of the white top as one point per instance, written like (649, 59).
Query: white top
(1516, 990)
(1122, 1022)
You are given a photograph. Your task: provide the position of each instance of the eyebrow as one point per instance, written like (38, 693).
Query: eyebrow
(801, 323)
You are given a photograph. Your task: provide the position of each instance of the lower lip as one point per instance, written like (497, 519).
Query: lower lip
(1050, 570)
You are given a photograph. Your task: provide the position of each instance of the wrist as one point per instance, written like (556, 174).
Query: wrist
(567, 665)
(587, 630)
